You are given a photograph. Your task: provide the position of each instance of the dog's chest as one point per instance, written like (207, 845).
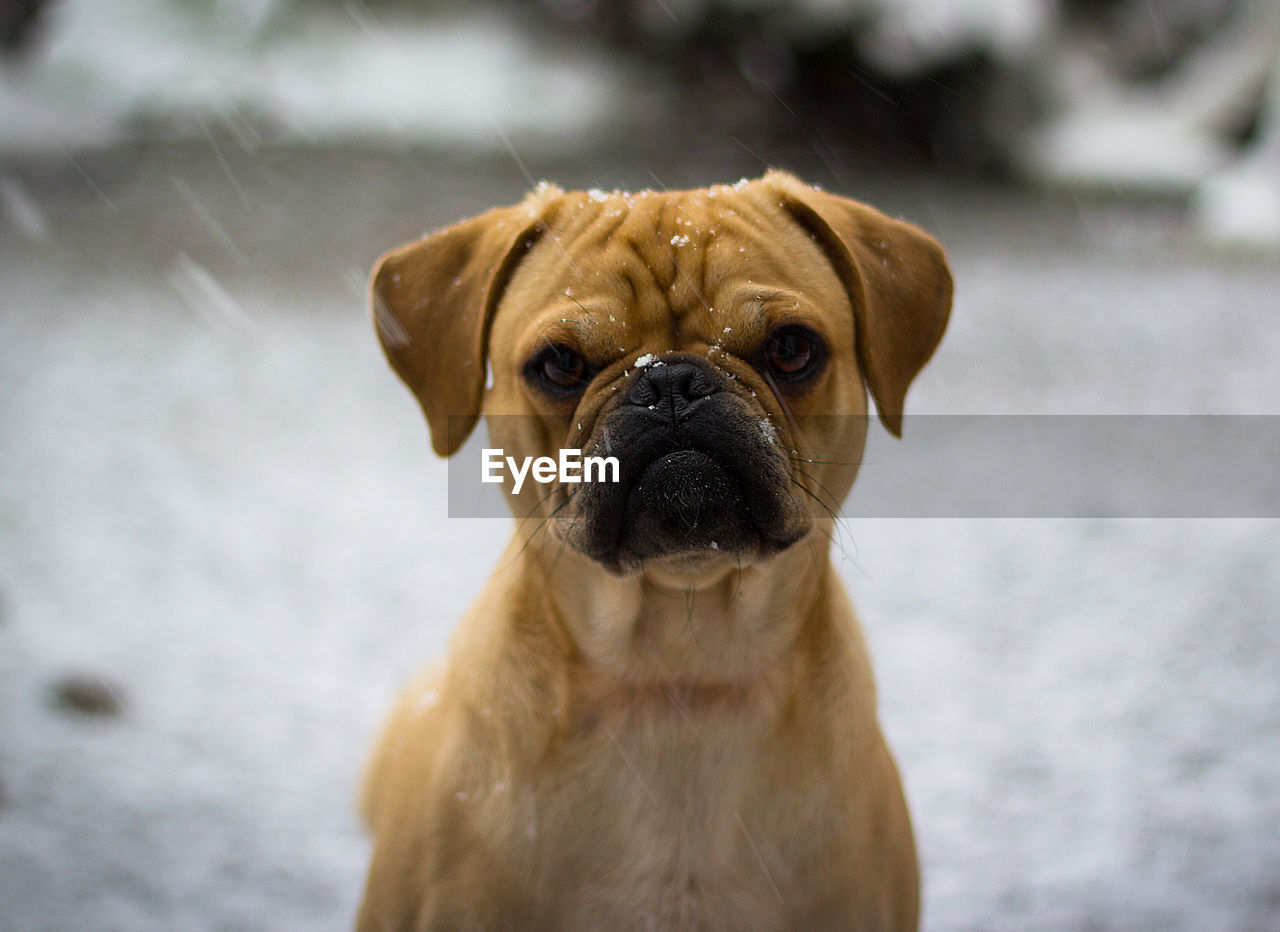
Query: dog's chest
(663, 828)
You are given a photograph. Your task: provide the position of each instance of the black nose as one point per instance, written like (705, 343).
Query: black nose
(676, 383)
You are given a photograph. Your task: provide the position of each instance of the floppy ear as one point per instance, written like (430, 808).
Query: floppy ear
(433, 300)
(897, 279)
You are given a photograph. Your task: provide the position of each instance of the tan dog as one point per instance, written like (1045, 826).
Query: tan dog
(660, 712)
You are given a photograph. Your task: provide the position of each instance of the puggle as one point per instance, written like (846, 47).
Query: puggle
(660, 711)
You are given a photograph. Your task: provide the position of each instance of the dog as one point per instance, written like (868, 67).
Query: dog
(660, 711)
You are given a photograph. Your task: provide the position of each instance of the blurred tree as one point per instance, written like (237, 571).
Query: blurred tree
(956, 81)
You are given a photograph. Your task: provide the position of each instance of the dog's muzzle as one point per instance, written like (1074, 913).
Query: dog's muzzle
(699, 471)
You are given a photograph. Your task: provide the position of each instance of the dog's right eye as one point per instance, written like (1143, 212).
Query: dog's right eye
(559, 369)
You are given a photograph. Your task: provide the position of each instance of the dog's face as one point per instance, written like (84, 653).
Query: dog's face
(715, 342)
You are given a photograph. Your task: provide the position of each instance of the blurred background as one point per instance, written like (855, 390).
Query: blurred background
(223, 535)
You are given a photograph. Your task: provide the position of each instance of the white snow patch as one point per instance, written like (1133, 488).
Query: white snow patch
(1118, 146)
(909, 37)
(1241, 207)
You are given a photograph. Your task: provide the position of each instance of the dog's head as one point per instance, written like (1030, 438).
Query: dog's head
(715, 343)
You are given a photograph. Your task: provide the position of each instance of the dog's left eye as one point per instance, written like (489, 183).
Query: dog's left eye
(559, 369)
(793, 353)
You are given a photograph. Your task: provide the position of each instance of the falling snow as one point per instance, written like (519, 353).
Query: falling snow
(22, 211)
(215, 491)
(222, 497)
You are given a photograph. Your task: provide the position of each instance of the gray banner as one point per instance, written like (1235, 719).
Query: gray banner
(1023, 466)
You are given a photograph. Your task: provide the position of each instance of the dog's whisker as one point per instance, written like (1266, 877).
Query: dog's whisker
(797, 458)
(543, 525)
(782, 401)
(550, 574)
(521, 519)
(834, 536)
(832, 504)
(831, 540)
(831, 507)
(690, 627)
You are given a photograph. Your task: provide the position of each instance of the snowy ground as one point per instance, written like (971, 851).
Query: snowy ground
(216, 496)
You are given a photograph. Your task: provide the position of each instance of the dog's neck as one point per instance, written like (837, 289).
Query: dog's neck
(705, 635)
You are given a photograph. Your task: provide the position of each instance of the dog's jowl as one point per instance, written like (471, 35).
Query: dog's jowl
(659, 713)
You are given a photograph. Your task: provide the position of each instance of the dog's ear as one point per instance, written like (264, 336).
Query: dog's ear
(897, 279)
(433, 300)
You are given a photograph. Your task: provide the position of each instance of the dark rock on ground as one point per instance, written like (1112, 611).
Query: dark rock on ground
(88, 694)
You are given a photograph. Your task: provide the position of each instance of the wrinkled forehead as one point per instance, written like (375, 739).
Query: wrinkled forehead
(664, 253)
